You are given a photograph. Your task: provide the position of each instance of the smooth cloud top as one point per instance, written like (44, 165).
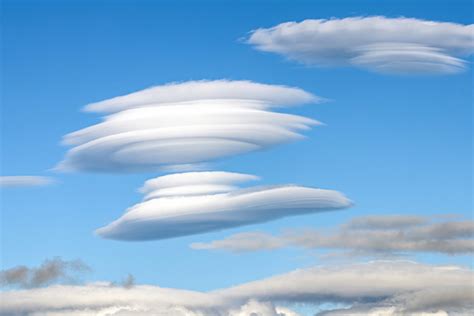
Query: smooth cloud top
(205, 90)
(147, 135)
(191, 203)
(378, 43)
(24, 181)
(391, 287)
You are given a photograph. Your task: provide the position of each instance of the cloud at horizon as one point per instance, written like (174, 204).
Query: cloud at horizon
(391, 287)
(196, 202)
(182, 125)
(375, 43)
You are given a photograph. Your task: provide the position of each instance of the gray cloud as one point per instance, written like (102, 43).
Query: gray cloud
(129, 281)
(196, 202)
(24, 181)
(389, 288)
(50, 271)
(183, 125)
(377, 43)
(371, 235)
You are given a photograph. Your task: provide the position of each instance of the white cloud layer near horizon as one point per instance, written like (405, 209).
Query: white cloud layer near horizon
(24, 181)
(195, 202)
(376, 43)
(389, 288)
(378, 235)
(182, 125)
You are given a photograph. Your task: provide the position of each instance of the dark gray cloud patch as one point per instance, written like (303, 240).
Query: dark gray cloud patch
(371, 235)
(387, 221)
(50, 271)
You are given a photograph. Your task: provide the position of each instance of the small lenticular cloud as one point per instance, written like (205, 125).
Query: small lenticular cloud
(377, 43)
(197, 202)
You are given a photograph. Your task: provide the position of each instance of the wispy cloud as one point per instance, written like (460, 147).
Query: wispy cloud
(377, 43)
(186, 124)
(24, 181)
(367, 236)
(196, 202)
(50, 271)
(391, 287)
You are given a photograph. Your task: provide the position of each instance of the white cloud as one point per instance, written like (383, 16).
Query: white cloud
(24, 181)
(275, 95)
(407, 287)
(191, 203)
(369, 235)
(376, 288)
(184, 125)
(377, 43)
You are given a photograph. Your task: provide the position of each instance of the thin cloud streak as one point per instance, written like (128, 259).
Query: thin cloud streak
(25, 181)
(363, 236)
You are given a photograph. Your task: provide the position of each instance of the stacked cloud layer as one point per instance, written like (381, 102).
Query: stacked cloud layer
(196, 202)
(388, 45)
(186, 124)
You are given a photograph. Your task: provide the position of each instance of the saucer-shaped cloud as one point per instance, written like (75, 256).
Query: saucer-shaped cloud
(196, 202)
(185, 124)
(381, 44)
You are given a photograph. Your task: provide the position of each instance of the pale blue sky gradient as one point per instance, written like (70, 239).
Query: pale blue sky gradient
(393, 144)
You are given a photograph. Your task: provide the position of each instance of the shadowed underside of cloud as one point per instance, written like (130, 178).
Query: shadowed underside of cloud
(24, 181)
(391, 287)
(196, 202)
(378, 43)
(185, 124)
(370, 235)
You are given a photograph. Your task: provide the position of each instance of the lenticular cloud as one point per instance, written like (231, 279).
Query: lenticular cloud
(377, 43)
(196, 202)
(185, 124)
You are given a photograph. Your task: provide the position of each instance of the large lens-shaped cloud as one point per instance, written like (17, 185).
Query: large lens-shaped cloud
(196, 202)
(184, 125)
(388, 45)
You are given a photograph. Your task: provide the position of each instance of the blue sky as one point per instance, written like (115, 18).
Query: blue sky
(393, 144)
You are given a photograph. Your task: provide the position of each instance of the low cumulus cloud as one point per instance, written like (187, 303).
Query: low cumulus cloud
(24, 181)
(376, 288)
(182, 125)
(50, 271)
(196, 202)
(377, 43)
(369, 235)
